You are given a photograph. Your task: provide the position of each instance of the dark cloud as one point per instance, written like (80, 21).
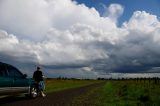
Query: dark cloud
(78, 42)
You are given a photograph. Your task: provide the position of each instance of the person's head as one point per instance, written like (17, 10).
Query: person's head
(38, 68)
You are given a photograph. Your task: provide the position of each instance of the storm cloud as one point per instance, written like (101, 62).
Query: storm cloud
(72, 38)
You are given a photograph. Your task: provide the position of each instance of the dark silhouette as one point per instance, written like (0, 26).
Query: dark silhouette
(39, 78)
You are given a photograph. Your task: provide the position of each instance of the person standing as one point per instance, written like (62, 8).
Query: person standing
(39, 78)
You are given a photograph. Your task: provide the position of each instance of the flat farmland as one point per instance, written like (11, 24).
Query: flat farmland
(93, 93)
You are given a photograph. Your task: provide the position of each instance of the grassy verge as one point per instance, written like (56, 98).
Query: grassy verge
(57, 85)
(129, 93)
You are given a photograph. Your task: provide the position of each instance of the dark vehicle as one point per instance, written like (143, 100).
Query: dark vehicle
(12, 81)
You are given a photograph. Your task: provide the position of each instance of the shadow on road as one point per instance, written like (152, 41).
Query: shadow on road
(10, 99)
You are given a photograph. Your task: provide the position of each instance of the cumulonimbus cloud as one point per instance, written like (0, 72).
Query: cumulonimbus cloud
(62, 32)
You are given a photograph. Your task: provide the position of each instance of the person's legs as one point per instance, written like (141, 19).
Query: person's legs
(42, 87)
(42, 93)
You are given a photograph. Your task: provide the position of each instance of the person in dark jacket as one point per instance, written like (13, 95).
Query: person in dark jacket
(39, 78)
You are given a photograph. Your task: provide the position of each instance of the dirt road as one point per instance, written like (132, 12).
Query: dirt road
(60, 98)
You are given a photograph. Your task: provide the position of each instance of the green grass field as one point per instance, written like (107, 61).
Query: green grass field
(58, 85)
(129, 93)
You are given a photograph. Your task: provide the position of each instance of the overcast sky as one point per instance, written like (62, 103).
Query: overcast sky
(80, 38)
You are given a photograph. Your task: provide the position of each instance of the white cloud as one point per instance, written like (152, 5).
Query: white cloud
(32, 18)
(114, 11)
(142, 21)
(26, 19)
(62, 32)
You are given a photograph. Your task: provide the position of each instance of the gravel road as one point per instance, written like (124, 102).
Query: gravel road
(60, 98)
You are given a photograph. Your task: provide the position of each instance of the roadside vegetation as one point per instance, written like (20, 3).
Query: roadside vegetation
(130, 93)
(62, 84)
